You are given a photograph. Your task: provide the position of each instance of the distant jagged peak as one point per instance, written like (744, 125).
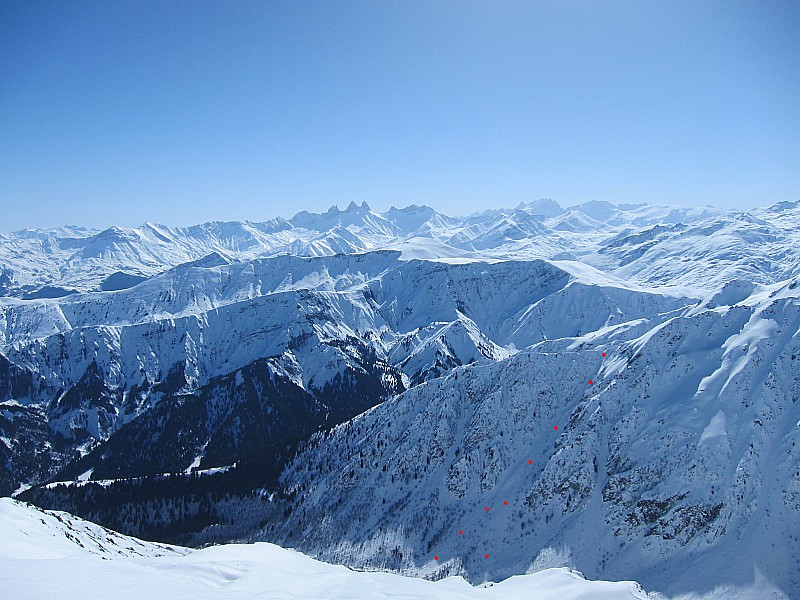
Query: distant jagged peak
(353, 207)
(335, 210)
(545, 207)
(358, 216)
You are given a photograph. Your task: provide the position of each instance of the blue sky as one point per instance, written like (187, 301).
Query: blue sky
(183, 112)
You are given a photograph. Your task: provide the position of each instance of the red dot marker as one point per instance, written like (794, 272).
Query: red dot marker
(486, 509)
(460, 532)
(591, 382)
(530, 462)
(555, 427)
(486, 556)
(435, 558)
(505, 502)
(603, 354)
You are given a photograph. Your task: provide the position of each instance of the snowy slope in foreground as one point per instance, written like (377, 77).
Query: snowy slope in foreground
(55, 555)
(29, 533)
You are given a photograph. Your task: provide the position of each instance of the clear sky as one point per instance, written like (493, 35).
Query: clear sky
(118, 112)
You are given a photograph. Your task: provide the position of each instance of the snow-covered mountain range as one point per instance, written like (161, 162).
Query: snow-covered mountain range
(363, 386)
(650, 245)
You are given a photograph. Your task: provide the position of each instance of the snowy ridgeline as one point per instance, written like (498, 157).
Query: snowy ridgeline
(45, 555)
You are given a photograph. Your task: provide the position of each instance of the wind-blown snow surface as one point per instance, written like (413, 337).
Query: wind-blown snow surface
(159, 380)
(45, 555)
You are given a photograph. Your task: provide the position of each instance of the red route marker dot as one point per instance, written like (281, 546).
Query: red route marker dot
(460, 532)
(486, 509)
(530, 462)
(591, 382)
(435, 558)
(486, 556)
(603, 354)
(555, 427)
(505, 502)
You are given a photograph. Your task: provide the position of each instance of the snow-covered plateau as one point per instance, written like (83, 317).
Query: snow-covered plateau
(499, 397)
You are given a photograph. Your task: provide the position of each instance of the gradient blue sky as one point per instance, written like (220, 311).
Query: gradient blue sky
(183, 112)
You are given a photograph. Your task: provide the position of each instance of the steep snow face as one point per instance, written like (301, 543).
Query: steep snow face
(46, 554)
(677, 464)
(654, 245)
